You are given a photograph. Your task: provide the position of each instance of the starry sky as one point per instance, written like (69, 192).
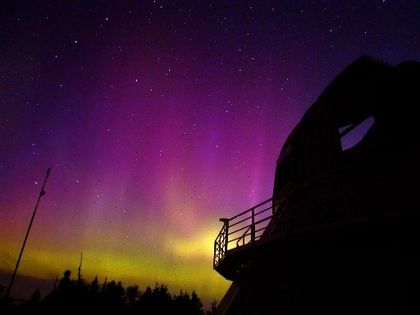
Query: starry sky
(159, 117)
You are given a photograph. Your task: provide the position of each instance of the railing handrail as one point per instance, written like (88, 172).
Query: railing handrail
(250, 209)
(253, 226)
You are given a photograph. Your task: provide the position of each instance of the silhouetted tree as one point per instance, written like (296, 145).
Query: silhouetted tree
(65, 282)
(132, 294)
(94, 287)
(186, 304)
(197, 305)
(77, 296)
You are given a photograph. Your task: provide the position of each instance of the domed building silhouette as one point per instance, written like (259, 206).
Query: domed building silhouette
(340, 233)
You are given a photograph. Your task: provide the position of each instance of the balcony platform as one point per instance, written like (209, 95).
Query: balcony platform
(399, 230)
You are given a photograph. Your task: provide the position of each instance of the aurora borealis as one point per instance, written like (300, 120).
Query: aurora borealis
(159, 117)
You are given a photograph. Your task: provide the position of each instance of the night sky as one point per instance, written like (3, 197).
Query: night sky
(158, 118)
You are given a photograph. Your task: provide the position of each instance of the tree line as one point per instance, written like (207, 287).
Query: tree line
(77, 295)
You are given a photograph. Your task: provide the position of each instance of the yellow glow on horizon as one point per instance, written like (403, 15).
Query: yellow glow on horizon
(188, 265)
(199, 246)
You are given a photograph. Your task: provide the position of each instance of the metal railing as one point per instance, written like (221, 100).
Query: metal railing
(242, 229)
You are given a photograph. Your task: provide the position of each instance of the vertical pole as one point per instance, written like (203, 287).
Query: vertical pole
(79, 273)
(253, 226)
(214, 253)
(226, 235)
(41, 193)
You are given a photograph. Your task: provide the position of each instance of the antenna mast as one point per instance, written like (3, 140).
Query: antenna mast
(79, 274)
(41, 193)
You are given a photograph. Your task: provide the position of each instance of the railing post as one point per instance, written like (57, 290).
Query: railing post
(226, 235)
(226, 227)
(214, 253)
(253, 226)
